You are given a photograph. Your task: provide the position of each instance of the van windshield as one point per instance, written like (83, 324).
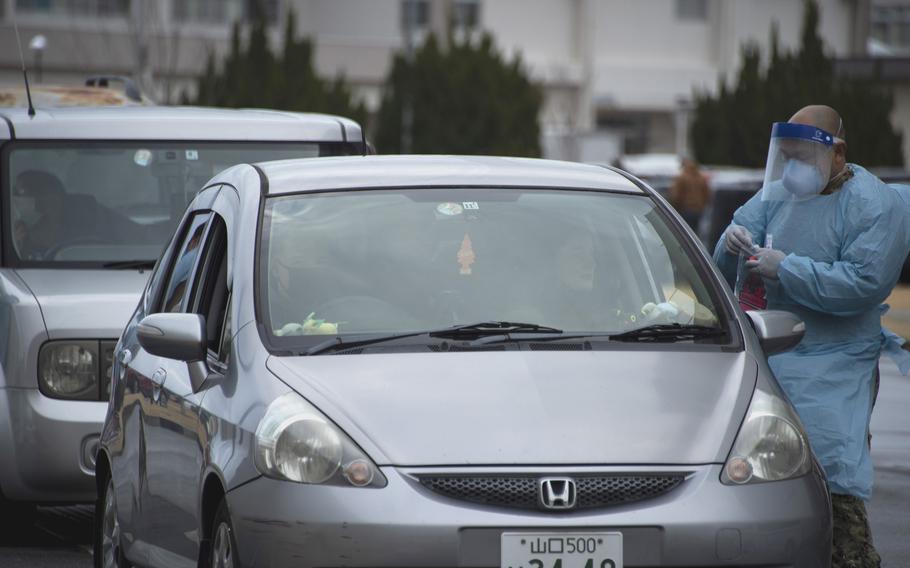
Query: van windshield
(397, 261)
(113, 203)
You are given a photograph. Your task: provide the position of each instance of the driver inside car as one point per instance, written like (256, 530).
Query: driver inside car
(584, 293)
(38, 204)
(48, 219)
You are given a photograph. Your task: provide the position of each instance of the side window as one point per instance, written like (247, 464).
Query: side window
(210, 296)
(184, 264)
(224, 352)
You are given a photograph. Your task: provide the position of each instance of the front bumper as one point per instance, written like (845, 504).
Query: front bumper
(700, 523)
(48, 447)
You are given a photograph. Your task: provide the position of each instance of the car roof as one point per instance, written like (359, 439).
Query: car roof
(64, 96)
(309, 174)
(175, 123)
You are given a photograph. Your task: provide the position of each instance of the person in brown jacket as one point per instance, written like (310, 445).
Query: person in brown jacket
(689, 193)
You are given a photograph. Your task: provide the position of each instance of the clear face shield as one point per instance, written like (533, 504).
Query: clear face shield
(799, 162)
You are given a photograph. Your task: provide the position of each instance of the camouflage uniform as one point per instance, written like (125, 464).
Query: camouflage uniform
(852, 547)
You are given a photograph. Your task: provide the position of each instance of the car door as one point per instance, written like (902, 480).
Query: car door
(159, 440)
(182, 433)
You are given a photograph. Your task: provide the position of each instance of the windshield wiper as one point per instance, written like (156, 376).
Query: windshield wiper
(474, 330)
(668, 332)
(129, 264)
(485, 328)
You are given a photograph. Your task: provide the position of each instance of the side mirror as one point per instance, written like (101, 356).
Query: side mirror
(174, 336)
(777, 330)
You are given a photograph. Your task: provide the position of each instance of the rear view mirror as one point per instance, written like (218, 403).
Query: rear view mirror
(174, 336)
(777, 330)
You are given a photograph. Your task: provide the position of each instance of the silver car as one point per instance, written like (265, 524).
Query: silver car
(90, 197)
(449, 361)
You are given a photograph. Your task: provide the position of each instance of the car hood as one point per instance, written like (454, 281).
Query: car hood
(85, 303)
(522, 408)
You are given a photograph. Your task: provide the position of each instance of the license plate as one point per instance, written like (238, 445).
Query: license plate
(561, 550)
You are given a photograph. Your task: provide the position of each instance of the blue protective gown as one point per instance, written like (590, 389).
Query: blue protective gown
(844, 255)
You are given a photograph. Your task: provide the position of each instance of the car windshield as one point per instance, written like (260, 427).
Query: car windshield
(112, 203)
(396, 261)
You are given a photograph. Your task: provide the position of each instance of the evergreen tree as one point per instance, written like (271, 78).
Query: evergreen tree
(733, 126)
(251, 75)
(465, 99)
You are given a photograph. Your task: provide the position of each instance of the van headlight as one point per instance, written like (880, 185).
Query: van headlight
(69, 369)
(771, 445)
(295, 442)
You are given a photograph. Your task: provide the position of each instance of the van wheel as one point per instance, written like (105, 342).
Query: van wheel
(223, 552)
(108, 551)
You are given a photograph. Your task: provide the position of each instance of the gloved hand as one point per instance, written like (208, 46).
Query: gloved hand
(737, 239)
(766, 262)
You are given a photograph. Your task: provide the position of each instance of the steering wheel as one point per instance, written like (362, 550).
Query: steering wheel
(52, 252)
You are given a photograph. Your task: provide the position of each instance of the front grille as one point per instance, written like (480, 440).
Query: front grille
(514, 492)
(604, 491)
(521, 492)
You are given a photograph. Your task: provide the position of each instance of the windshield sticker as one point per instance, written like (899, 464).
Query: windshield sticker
(470, 205)
(466, 256)
(142, 157)
(192, 155)
(449, 209)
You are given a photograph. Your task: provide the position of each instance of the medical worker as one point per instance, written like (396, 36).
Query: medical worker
(835, 238)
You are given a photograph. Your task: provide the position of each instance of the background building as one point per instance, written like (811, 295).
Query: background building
(618, 76)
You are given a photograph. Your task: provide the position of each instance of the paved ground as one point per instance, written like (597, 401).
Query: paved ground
(889, 510)
(59, 537)
(898, 317)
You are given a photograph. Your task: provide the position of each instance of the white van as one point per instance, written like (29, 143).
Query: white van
(88, 199)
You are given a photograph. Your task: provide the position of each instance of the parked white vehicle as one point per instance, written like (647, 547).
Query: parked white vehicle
(90, 197)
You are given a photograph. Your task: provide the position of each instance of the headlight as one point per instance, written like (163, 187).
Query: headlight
(771, 445)
(69, 369)
(295, 442)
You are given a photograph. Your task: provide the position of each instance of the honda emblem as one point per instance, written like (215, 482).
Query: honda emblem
(557, 493)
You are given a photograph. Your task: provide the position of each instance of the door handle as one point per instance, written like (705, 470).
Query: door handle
(124, 357)
(158, 378)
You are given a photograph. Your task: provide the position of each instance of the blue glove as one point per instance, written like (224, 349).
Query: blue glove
(767, 262)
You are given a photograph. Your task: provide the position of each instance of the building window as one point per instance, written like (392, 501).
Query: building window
(206, 11)
(466, 14)
(415, 14)
(696, 10)
(86, 8)
(220, 12)
(270, 10)
(891, 25)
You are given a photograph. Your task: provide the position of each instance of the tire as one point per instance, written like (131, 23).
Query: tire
(108, 552)
(223, 547)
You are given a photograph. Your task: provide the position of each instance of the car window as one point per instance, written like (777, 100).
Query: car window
(210, 292)
(406, 260)
(184, 264)
(224, 349)
(97, 203)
